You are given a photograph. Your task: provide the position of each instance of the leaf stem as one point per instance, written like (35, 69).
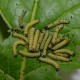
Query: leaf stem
(24, 58)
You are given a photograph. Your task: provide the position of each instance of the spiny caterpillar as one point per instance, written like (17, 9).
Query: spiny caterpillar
(57, 22)
(29, 25)
(41, 43)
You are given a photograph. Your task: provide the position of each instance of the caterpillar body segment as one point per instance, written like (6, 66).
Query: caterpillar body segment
(57, 22)
(67, 51)
(29, 25)
(20, 36)
(56, 57)
(29, 54)
(40, 40)
(46, 45)
(55, 35)
(16, 44)
(31, 38)
(35, 41)
(51, 62)
(61, 44)
(44, 39)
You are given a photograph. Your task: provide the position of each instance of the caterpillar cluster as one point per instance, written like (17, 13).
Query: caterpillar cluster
(46, 45)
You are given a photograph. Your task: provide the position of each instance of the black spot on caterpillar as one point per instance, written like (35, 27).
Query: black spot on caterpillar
(59, 58)
(29, 54)
(64, 51)
(29, 25)
(57, 22)
(31, 38)
(16, 44)
(61, 44)
(15, 34)
(44, 39)
(46, 45)
(35, 41)
(51, 62)
(55, 35)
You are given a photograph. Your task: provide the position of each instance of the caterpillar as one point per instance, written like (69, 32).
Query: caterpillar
(17, 30)
(55, 23)
(21, 18)
(55, 35)
(61, 44)
(40, 40)
(29, 25)
(51, 62)
(16, 44)
(46, 46)
(31, 38)
(65, 51)
(35, 41)
(15, 34)
(63, 55)
(44, 39)
(56, 57)
(29, 54)
(59, 39)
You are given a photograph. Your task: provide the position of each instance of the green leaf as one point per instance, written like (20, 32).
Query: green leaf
(48, 11)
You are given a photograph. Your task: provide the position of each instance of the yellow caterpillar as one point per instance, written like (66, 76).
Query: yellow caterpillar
(29, 54)
(61, 54)
(22, 37)
(29, 25)
(46, 46)
(16, 44)
(64, 51)
(50, 61)
(56, 57)
(57, 22)
(55, 35)
(44, 39)
(40, 40)
(31, 38)
(61, 44)
(35, 41)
